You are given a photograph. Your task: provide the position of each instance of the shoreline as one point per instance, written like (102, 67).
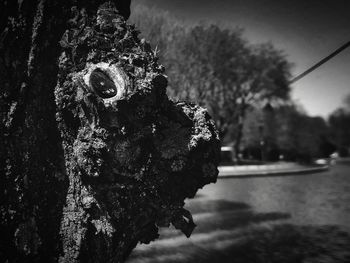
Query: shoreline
(265, 170)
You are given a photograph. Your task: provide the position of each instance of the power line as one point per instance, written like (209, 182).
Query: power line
(336, 52)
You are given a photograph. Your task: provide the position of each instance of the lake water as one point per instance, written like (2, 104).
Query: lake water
(320, 198)
(289, 219)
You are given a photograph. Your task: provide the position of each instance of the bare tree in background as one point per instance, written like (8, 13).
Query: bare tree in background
(218, 69)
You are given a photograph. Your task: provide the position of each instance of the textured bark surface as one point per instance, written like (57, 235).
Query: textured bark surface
(94, 156)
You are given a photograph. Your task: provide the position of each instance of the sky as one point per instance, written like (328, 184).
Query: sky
(307, 31)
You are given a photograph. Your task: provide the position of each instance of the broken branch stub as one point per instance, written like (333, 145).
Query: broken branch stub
(132, 155)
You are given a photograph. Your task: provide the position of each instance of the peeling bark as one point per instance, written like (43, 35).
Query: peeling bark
(94, 156)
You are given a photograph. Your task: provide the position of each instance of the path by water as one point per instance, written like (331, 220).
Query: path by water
(303, 218)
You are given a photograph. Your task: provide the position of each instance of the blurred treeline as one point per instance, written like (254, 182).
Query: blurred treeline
(244, 87)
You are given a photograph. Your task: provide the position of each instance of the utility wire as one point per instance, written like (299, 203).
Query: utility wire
(336, 52)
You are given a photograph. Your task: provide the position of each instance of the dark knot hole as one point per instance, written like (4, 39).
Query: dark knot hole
(102, 84)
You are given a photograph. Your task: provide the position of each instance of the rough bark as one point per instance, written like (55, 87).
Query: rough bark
(94, 156)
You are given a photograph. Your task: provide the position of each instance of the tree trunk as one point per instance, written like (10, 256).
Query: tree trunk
(93, 155)
(239, 133)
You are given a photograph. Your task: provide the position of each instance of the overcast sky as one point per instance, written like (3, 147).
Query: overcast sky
(307, 30)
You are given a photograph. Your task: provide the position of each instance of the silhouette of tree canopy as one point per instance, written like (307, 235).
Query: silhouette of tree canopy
(286, 131)
(339, 122)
